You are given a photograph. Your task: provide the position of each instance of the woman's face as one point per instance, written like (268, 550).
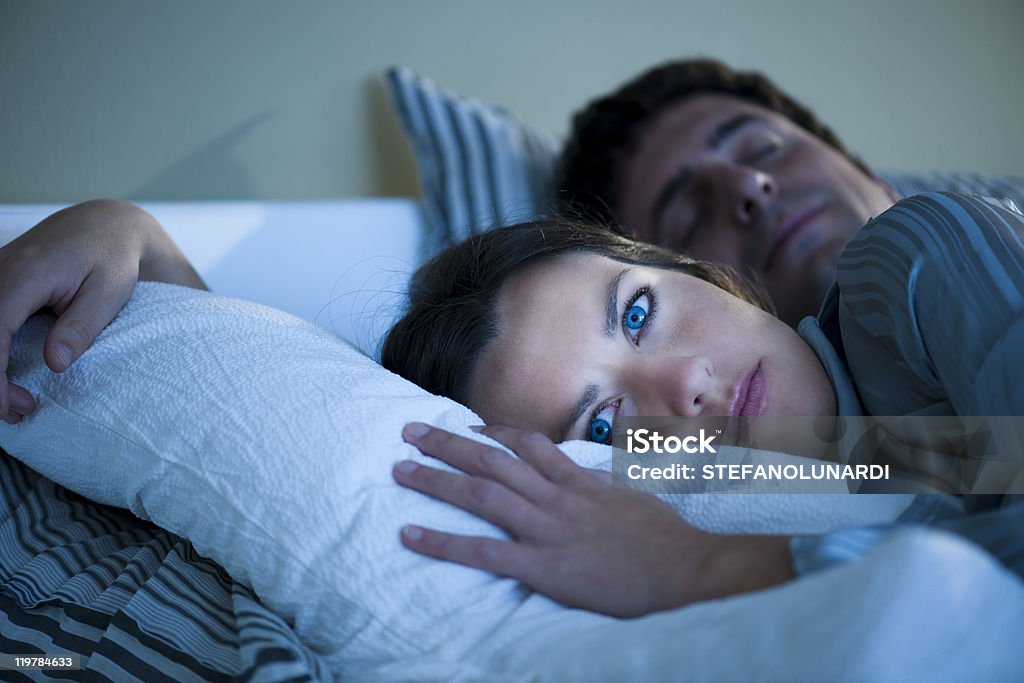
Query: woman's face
(585, 339)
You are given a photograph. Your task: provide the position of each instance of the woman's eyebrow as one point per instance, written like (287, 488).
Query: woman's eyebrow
(588, 398)
(611, 307)
(611, 325)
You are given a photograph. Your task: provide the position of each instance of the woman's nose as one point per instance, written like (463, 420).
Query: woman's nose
(673, 386)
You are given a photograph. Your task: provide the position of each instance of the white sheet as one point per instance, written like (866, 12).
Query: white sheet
(922, 606)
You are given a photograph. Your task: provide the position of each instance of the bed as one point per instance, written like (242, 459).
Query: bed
(231, 577)
(207, 495)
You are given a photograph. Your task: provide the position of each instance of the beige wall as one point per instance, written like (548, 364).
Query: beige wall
(282, 100)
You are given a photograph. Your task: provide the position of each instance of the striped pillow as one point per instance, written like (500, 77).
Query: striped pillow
(1007, 189)
(479, 166)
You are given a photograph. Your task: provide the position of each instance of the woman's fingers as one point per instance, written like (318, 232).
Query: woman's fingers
(602, 476)
(545, 456)
(482, 460)
(484, 497)
(505, 558)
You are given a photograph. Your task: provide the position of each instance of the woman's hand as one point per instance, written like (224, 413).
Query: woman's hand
(575, 537)
(82, 263)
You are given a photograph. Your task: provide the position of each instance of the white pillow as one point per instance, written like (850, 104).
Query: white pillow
(269, 444)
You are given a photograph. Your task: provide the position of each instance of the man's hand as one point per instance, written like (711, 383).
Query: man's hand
(575, 538)
(82, 263)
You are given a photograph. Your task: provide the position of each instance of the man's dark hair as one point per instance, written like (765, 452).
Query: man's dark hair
(607, 132)
(453, 314)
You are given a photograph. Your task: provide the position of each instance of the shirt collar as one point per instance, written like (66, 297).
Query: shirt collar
(822, 334)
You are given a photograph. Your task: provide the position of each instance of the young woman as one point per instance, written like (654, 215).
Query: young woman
(562, 330)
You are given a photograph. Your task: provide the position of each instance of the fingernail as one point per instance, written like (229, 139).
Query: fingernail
(12, 418)
(20, 405)
(477, 428)
(415, 429)
(413, 533)
(63, 354)
(406, 466)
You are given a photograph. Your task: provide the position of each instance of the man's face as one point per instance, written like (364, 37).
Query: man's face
(725, 180)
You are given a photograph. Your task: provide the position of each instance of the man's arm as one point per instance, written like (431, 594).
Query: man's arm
(932, 308)
(932, 317)
(82, 263)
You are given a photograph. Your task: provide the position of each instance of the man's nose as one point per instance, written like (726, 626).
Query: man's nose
(746, 193)
(673, 386)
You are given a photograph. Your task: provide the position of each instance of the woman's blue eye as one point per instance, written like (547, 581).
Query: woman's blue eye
(637, 314)
(600, 430)
(635, 317)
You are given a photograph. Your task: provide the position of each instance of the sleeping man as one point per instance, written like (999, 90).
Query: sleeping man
(724, 166)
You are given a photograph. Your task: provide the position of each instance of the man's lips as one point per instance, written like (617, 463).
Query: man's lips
(792, 225)
(750, 395)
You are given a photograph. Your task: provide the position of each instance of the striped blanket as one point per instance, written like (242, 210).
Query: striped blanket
(134, 601)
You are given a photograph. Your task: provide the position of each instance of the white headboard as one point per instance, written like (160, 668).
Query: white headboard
(341, 263)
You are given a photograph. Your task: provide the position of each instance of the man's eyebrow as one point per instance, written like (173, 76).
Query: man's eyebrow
(611, 324)
(681, 179)
(728, 128)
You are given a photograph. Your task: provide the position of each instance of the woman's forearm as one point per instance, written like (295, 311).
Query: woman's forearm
(740, 564)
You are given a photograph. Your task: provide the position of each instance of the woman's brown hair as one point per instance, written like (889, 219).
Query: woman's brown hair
(453, 312)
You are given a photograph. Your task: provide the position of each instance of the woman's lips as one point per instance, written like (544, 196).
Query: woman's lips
(790, 227)
(751, 394)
